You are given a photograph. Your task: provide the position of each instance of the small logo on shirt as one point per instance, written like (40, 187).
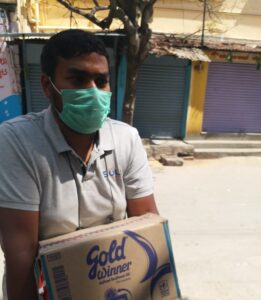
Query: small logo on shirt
(111, 173)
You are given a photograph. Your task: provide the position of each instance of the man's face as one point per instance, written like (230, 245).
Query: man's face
(80, 72)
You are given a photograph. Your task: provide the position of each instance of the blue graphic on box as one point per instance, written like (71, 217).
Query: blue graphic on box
(153, 273)
(149, 251)
(100, 262)
(157, 280)
(117, 294)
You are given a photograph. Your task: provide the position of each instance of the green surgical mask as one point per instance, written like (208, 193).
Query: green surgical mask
(84, 110)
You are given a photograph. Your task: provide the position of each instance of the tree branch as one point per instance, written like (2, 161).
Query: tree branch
(111, 15)
(147, 14)
(95, 2)
(120, 14)
(131, 30)
(90, 16)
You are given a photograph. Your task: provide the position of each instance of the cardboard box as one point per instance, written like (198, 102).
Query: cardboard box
(129, 259)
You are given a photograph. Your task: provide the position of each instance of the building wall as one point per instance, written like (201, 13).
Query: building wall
(51, 16)
(239, 19)
(199, 81)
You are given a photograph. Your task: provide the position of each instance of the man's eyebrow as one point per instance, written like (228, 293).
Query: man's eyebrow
(76, 71)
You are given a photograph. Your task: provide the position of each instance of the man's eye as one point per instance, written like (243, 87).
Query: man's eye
(101, 81)
(78, 79)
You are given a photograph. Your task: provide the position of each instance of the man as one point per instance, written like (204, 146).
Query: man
(67, 167)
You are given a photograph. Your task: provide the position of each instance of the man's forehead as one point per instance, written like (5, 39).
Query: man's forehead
(84, 65)
(85, 58)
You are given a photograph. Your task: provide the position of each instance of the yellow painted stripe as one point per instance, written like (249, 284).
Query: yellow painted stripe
(199, 74)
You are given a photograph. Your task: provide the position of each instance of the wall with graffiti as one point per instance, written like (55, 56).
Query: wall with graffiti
(10, 94)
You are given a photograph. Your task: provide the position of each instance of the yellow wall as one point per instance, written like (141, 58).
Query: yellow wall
(239, 19)
(199, 74)
(236, 57)
(51, 16)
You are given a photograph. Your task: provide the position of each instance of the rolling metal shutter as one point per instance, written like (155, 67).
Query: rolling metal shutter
(38, 99)
(35, 98)
(233, 99)
(161, 97)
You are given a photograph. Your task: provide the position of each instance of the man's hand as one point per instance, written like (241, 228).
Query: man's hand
(19, 241)
(141, 206)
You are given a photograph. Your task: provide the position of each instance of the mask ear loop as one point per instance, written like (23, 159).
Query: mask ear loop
(59, 92)
(117, 166)
(77, 189)
(53, 85)
(112, 198)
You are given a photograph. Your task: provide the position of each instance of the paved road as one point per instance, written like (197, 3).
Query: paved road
(213, 208)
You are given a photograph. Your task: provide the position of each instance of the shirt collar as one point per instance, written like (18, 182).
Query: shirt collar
(105, 142)
(54, 133)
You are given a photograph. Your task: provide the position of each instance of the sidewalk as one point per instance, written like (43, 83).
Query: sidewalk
(174, 152)
(221, 145)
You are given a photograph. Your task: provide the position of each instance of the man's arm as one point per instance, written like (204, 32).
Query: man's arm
(141, 206)
(19, 241)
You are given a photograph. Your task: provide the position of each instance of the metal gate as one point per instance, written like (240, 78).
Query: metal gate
(162, 94)
(35, 98)
(233, 99)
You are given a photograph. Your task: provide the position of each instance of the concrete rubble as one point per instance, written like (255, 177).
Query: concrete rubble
(168, 152)
(174, 152)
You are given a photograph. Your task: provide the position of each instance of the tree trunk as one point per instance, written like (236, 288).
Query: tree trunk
(130, 92)
(135, 57)
(138, 50)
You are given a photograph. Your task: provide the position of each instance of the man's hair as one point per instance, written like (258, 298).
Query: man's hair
(67, 44)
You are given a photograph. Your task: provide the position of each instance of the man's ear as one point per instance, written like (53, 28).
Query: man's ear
(46, 85)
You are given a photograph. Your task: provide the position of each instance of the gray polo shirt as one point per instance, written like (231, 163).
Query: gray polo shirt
(41, 172)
